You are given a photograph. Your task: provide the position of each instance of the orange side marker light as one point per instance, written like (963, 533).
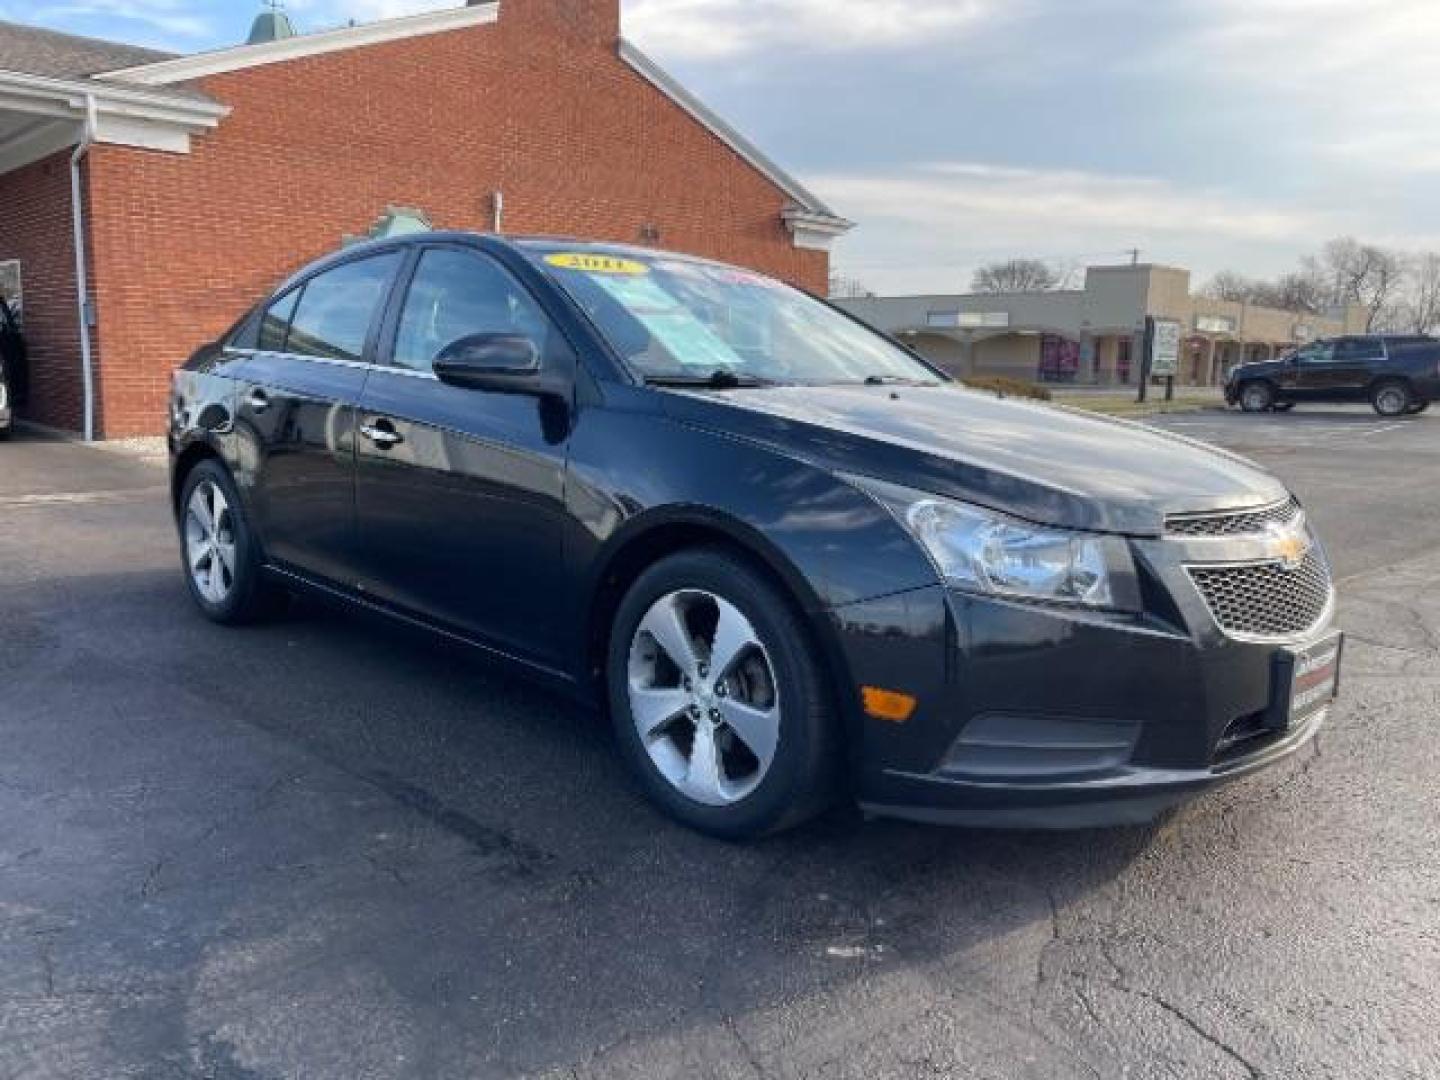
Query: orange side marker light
(889, 705)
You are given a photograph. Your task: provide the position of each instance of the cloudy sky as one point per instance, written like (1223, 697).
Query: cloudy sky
(1208, 133)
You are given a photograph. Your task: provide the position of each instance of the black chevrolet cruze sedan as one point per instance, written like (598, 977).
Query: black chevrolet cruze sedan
(792, 560)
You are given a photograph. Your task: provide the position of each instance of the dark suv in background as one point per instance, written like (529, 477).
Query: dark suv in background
(1396, 375)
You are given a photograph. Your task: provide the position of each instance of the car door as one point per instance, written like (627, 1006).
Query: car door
(460, 492)
(1310, 371)
(298, 396)
(1347, 377)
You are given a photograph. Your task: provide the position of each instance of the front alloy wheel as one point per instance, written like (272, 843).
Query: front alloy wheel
(1256, 397)
(703, 697)
(718, 699)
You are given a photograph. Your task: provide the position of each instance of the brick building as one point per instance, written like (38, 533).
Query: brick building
(202, 180)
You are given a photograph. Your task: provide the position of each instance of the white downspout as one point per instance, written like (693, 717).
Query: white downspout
(498, 205)
(82, 276)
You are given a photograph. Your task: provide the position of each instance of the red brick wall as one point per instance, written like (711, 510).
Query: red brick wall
(538, 106)
(35, 228)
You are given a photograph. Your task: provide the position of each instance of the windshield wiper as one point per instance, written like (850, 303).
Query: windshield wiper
(719, 379)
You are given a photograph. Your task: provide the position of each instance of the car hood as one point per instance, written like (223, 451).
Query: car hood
(1047, 464)
(1258, 367)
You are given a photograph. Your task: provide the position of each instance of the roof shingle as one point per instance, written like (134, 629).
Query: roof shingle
(31, 50)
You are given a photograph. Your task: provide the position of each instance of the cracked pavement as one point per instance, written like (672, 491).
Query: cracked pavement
(326, 848)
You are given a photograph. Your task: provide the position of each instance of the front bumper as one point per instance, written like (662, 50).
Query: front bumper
(1131, 796)
(1035, 717)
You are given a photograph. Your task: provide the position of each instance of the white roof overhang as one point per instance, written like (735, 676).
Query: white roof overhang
(40, 116)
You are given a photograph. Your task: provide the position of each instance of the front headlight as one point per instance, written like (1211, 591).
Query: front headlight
(982, 551)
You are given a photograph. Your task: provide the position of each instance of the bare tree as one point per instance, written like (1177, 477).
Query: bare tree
(1232, 287)
(848, 288)
(1300, 291)
(1015, 275)
(1363, 274)
(1420, 310)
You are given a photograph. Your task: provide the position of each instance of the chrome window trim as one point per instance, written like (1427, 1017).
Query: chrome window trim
(331, 361)
(405, 373)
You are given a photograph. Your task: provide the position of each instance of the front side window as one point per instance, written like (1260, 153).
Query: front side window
(336, 308)
(1320, 353)
(456, 294)
(677, 318)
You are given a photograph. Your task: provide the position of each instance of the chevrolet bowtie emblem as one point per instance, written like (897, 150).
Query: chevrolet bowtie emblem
(1290, 544)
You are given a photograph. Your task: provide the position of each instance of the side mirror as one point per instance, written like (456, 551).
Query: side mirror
(499, 363)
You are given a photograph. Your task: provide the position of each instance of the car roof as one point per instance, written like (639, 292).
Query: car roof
(524, 245)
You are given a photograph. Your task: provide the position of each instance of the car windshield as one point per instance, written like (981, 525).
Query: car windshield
(681, 320)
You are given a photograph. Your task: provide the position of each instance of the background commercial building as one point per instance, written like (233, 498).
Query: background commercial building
(195, 183)
(1094, 335)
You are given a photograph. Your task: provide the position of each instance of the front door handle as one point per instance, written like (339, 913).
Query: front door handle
(383, 434)
(258, 401)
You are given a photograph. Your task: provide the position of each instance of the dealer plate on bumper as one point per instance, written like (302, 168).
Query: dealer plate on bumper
(1307, 680)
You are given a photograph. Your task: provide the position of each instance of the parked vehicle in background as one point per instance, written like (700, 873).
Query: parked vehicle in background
(13, 368)
(792, 559)
(1397, 375)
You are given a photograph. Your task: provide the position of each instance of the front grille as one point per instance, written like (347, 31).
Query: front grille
(1265, 600)
(1235, 523)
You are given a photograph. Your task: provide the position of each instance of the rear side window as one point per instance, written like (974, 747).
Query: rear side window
(246, 334)
(275, 323)
(337, 308)
(1355, 350)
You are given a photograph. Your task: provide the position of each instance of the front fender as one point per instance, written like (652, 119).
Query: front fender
(631, 471)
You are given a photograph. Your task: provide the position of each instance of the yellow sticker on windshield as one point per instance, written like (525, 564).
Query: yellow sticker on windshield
(597, 264)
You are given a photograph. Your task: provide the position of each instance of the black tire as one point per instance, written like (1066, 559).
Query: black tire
(5, 433)
(1256, 397)
(1392, 398)
(250, 597)
(801, 778)
(1419, 407)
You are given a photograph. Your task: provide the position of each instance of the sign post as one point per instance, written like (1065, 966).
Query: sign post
(1162, 355)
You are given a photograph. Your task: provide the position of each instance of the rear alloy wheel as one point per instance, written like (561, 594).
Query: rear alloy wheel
(222, 561)
(718, 704)
(1392, 399)
(1256, 397)
(210, 542)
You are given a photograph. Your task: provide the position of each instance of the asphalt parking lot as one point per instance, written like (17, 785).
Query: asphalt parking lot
(322, 848)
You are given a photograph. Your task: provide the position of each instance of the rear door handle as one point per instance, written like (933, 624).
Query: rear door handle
(258, 401)
(383, 434)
